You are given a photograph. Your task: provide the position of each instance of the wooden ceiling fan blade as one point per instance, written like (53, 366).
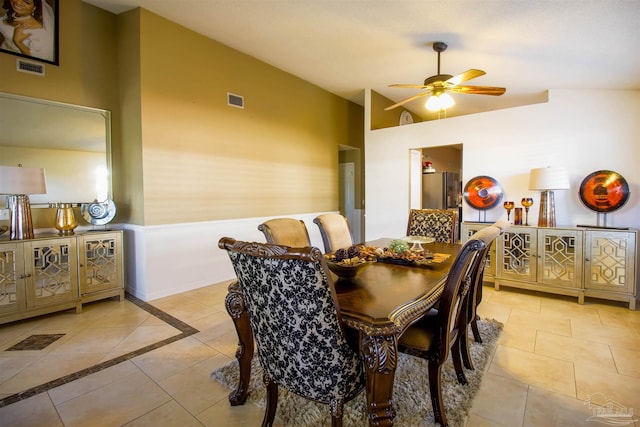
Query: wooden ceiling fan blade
(410, 86)
(407, 100)
(466, 76)
(479, 90)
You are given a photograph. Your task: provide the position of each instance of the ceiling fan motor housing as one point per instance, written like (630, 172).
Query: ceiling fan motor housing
(439, 46)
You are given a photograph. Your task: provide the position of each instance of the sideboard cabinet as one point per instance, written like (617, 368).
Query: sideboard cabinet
(591, 262)
(468, 229)
(52, 273)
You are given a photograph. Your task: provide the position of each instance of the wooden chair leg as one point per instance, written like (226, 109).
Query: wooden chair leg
(476, 331)
(457, 362)
(464, 349)
(272, 403)
(435, 388)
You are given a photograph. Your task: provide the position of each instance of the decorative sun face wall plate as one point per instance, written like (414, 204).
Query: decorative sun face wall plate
(604, 191)
(406, 118)
(482, 192)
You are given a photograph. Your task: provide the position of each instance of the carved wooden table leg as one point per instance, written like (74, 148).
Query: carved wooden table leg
(234, 304)
(380, 360)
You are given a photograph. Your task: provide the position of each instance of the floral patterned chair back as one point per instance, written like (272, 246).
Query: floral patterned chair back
(442, 224)
(296, 323)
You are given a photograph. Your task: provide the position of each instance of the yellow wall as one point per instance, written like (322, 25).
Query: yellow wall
(180, 154)
(204, 160)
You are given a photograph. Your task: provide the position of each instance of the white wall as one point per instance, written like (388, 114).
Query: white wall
(169, 259)
(583, 131)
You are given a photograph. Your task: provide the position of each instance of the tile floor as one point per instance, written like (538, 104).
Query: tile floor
(552, 356)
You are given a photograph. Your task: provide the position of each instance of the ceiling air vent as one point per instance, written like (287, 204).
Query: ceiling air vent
(29, 67)
(235, 100)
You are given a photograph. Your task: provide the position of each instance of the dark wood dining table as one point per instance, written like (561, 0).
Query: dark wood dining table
(379, 304)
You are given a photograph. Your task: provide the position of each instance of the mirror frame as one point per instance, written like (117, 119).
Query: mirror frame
(104, 114)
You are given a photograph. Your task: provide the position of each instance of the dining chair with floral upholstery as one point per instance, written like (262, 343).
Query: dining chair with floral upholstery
(436, 335)
(335, 231)
(286, 231)
(442, 224)
(300, 337)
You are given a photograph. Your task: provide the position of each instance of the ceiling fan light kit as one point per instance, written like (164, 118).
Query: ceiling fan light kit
(439, 102)
(437, 86)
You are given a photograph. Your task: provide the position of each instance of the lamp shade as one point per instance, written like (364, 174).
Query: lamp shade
(19, 180)
(549, 178)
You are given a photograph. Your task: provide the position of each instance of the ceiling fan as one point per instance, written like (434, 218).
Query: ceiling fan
(437, 86)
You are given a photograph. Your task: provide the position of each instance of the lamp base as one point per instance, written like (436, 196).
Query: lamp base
(20, 224)
(547, 213)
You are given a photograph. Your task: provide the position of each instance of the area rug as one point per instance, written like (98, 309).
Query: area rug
(411, 397)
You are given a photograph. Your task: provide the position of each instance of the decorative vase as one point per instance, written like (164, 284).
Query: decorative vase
(65, 219)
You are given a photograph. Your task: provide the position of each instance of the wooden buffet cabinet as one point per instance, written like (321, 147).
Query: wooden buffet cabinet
(52, 273)
(581, 262)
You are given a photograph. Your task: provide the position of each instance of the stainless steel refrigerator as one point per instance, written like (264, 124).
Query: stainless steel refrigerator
(441, 190)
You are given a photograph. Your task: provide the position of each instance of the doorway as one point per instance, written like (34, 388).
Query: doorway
(347, 186)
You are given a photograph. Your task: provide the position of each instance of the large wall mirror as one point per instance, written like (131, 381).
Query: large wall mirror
(72, 143)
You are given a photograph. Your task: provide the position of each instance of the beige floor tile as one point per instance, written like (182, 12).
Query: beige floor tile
(173, 358)
(226, 343)
(518, 336)
(95, 340)
(489, 310)
(500, 400)
(11, 363)
(620, 388)
(613, 335)
(515, 299)
(114, 404)
(542, 371)
(10, 333)
(168, 415)
(142, 337)
(211, 327)
(92, 382)
(575, 350)
(619, 316)
(563, 307)
(185, 309)
(627, 361)
(475, 420)
(36, 411)
(542, 321)
(222, 414)
(193, 387)
(48, 369)
(209, 295)
(129, 315)
(548, 409)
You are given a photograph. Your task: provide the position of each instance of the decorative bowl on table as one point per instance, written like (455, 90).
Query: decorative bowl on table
(418, 241)
(347, 271)
(3, 228)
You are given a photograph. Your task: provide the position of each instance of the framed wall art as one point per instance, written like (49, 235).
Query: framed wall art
(29, 28)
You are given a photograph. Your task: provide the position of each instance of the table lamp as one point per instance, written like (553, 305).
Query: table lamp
(546, 180)
(17, 183)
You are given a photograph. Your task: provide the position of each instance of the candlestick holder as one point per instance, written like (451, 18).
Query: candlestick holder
(508, 206)
(527, 202)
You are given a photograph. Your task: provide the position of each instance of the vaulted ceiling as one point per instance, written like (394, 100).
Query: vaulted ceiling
(346, 46)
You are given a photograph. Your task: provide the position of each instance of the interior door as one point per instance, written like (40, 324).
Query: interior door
(347, 185)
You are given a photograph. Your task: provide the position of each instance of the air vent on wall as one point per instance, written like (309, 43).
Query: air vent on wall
(29, 67)
(235, 100)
